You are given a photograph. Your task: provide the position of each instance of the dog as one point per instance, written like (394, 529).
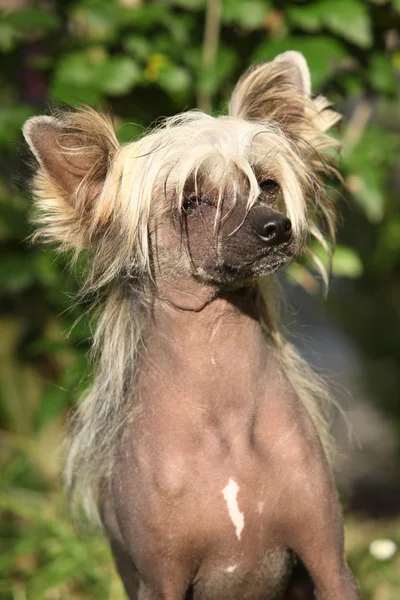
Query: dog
(203, 444)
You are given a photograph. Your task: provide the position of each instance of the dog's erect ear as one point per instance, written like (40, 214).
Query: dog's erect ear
(74, 150)
(278, 90)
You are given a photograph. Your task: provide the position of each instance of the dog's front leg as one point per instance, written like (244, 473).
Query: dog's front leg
(314, 530)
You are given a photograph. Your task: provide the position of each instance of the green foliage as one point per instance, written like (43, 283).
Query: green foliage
(348, 19)
(324, 55)
(145, 59)
(248, 14)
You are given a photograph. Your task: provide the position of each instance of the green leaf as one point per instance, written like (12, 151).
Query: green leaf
(16, 273)
(382, 75)
(369, 194)
(324, 55)
(147, 16)
(346, 263)
(74, 79)
(348, 19)
(96, 21)
(306, 17)
(75, 69)
(83, 75)
(32, 18)
(139, 46)
(117, 75)
(367, 167)
(7, 37)
(174, 79)
(11, 120)
(249, 14)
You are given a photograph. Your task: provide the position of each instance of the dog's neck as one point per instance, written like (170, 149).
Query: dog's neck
(187, 304)
(186, 294)
(201, 335)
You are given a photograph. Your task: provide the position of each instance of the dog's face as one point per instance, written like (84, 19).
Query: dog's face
(226, 218)
(225, 240)
(221, 199)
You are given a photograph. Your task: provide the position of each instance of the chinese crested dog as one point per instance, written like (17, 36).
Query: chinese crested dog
(203, 443)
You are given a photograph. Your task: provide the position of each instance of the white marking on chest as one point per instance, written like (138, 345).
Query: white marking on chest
(231, 569)
(213, 361)
(230, 493)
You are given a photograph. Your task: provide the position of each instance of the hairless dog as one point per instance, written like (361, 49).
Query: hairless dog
(203, 444)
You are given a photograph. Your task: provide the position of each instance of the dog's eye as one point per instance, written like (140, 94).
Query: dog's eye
(269, 186)
(190, 203)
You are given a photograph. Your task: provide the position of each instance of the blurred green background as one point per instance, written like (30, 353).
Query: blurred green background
(146, 59)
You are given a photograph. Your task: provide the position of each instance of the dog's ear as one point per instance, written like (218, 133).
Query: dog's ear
(279, 90)
(73, 149)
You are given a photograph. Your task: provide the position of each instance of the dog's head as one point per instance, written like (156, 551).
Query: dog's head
(220, 199)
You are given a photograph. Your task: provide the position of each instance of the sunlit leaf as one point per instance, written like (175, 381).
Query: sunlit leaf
(249, 14)
(139, 46)
(96, 21)
(370, 196)
(348, 19)
(396, 4)
(305, 16)
(7, 37)
(346, 263)
(174, 79)
(75, 79)
(117, 75)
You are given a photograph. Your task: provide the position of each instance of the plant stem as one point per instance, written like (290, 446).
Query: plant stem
(210, 49)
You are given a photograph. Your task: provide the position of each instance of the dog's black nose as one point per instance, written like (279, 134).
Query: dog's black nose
(274, 229)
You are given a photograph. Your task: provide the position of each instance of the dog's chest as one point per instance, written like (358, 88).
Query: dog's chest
(212, 504)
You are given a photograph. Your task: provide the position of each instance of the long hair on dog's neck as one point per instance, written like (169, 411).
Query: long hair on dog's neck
(117, 226)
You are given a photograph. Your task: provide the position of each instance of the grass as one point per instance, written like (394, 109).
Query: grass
(45, 556)
(379, 580)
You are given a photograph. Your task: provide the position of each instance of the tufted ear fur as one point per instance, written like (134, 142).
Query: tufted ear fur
(74, 150)
(279, 90)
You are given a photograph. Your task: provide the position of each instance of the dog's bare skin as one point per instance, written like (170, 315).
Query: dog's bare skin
(223, 415)
(202, 442)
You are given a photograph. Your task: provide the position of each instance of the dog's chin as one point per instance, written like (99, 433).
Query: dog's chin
(230, 273)
(261, 268)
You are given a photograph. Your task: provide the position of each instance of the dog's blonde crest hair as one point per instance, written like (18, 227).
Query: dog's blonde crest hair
(111, 197)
